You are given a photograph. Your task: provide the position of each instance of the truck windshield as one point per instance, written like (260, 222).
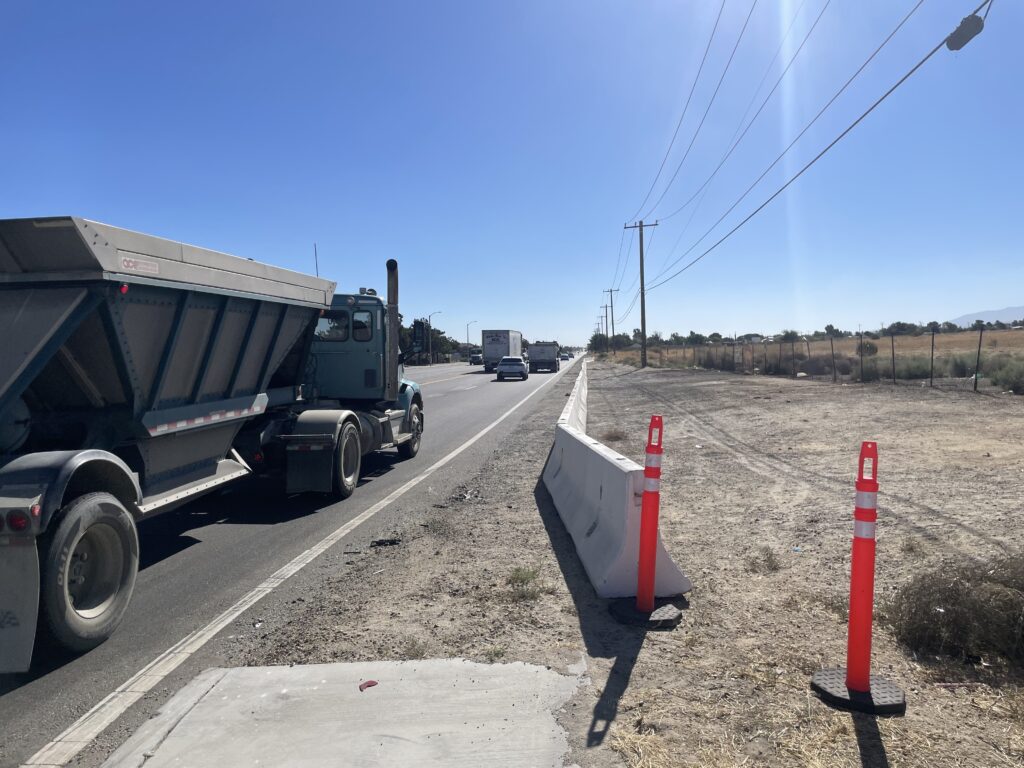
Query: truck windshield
(333, 326)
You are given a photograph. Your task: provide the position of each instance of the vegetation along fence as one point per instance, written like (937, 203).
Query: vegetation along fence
(980, 360)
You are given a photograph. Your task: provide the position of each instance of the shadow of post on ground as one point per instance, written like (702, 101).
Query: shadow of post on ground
(603, 636)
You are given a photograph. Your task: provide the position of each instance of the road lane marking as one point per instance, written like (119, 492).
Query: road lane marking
(450, 378)
(83, 731)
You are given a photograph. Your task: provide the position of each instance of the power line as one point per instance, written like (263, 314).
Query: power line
(737, 137)
(625, 263)
(706, 111)
(817, 157)
(736, 140)
(682, 116)
(798, 136)
(622, 239)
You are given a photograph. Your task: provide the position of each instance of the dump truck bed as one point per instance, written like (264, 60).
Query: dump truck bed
(150, 349)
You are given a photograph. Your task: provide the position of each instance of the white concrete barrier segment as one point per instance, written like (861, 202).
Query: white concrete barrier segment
(575, 412)
(597, 493)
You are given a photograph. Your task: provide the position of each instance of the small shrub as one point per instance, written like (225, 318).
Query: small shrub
(844, 366)
(966, 611)
(413, 648)
(614, 435)
(763, 561)
(867, 348)
(1011, 377)
(870, 372)
(494, 652)
(523, 583)
(960, 366)
(913, 368)
(817, 366)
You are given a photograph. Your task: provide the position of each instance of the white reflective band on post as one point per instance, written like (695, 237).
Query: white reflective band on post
(863, 530)
(653, 460)
(866, 500)
(652, 484)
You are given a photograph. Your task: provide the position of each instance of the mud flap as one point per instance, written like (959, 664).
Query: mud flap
(19, 601)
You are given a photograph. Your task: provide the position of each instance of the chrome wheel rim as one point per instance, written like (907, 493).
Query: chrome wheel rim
(93, 573)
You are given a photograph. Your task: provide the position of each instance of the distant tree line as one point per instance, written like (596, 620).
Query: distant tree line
(600, 342)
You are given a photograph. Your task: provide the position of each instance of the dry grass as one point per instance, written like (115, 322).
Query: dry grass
(946, 345)
(614, 435)
(972, 610)
(764, 560)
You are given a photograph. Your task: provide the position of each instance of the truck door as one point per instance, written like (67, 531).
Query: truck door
(348, 354)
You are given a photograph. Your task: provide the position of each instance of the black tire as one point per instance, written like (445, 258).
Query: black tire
(411, 447)
(526, 376)
(88, 571)
(348, 461)
(501, 377)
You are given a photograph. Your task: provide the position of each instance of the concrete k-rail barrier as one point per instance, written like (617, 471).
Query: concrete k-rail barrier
(597, 493)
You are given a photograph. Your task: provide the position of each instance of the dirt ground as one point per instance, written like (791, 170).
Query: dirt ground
(757, 497)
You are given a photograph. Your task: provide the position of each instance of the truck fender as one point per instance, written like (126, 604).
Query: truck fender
(410, 395)
(65, 475)
(48, 479)
(310, 448)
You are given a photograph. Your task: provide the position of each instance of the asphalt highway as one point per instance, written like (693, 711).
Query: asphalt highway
(200, 559)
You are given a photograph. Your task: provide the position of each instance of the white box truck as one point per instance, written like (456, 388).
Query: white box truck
(499, 344)
(544, 356)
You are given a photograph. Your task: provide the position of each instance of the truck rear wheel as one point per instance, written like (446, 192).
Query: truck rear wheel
(88, 571)
(348, 461)
(411, 447)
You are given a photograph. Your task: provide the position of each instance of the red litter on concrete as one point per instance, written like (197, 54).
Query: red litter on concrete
(855, 687)
(367, 684)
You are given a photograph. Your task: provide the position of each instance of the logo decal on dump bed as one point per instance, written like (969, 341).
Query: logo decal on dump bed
(8, 619)
(144, 266)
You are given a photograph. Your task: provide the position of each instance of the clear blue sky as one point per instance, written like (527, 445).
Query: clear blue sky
(496, 149)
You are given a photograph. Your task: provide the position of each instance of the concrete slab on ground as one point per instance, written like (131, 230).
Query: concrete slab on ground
(441, 712)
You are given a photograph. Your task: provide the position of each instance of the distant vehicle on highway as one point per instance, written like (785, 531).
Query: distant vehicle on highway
(544, 356)
(499, 344)
(477, 359)
(512, 366)
(565, 356)
(571, 354)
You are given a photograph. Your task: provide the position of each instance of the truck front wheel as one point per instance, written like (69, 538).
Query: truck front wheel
(348, 462)
(411, 447)
(88, 571)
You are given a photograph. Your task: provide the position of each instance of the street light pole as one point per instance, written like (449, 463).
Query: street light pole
(467, 331)
(430, 337)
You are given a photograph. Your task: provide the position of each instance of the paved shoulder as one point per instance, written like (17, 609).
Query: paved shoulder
(449, 712)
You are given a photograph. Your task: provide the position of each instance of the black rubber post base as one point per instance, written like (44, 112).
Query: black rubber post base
(664, 616)
(885, 698)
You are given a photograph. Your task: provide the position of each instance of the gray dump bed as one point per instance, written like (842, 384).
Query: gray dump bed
(149, 348)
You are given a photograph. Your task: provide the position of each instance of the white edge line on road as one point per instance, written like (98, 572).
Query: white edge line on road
(83, 731)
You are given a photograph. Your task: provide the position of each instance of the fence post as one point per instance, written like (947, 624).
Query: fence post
(780, 358)
(764, 346)
(892, 342)
(977, 363)
(832, 344)
(792, 356)
(861, 348)
(931, 368)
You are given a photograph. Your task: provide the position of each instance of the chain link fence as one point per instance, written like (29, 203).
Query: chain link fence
(986, 360)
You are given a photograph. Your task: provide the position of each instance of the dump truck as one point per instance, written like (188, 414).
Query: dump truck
(139, 373)
(544, 356)
(499, 344)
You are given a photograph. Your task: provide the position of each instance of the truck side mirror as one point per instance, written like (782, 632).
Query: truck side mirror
(419, 336)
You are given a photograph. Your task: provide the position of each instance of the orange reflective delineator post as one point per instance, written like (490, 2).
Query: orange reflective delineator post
(649, 518)
(855, 687)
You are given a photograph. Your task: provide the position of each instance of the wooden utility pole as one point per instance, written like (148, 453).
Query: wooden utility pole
(643, 298)
(611, 301)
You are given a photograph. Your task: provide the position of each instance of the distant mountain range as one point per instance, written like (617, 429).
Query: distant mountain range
(1007, 315)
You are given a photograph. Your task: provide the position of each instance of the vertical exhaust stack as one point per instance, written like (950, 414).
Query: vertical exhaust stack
(391, 387)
